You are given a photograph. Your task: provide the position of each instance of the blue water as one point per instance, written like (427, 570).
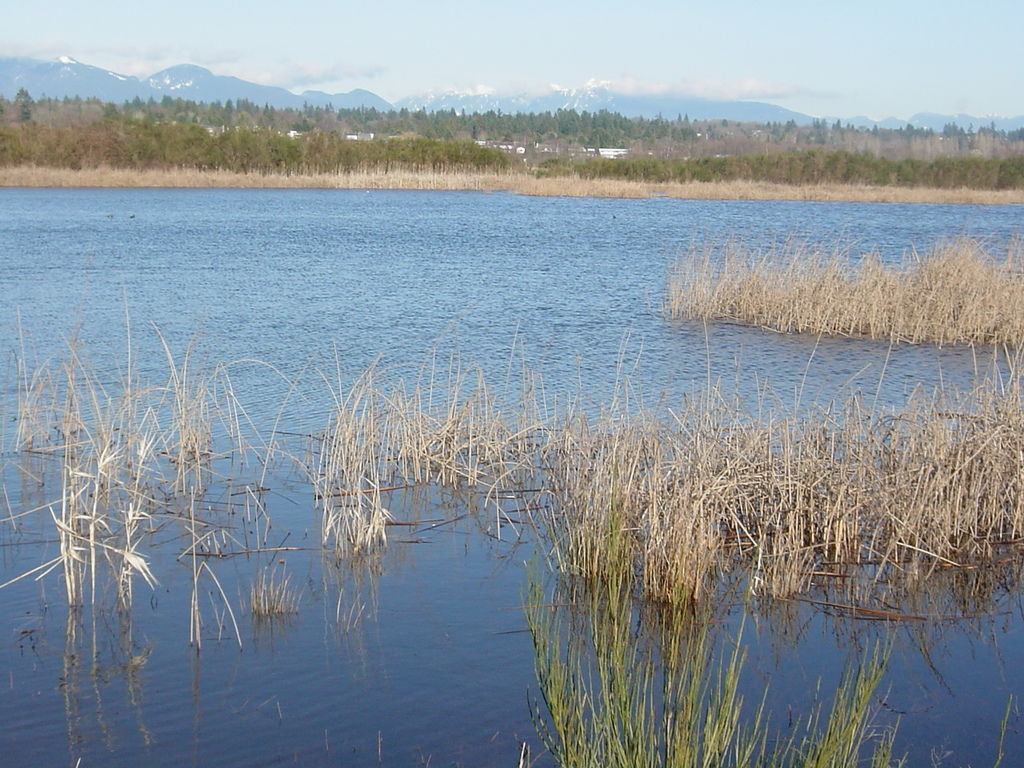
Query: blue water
(297, 277)
(419, 658)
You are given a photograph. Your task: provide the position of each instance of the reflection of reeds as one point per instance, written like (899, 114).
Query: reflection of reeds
(957, 294)
(615, 696)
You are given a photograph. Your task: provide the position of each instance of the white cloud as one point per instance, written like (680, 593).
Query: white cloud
(728, 90)
(308, 74)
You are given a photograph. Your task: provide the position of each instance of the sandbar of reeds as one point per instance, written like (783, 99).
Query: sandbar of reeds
(958, 293)
(519, 181)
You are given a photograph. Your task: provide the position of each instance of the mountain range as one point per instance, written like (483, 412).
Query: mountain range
(595, 96)
(67, 77)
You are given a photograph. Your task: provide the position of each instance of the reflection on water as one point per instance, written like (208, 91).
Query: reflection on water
(415, 652)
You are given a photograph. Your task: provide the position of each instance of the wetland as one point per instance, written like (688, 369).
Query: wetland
(351, 477)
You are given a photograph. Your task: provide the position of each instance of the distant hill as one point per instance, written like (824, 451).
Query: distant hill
(596, 97)
(937, 122)
(67, 77)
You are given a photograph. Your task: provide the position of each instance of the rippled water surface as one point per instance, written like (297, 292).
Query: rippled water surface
(419, 657)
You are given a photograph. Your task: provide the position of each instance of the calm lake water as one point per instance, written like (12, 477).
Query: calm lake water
(420, 658)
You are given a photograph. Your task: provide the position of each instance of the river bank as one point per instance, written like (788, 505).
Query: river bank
(518, 182)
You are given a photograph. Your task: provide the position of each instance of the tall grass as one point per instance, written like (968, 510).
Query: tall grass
(126, 453)
(867, 500)
(957, 294)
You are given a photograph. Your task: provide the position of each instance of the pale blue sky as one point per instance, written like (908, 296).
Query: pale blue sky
(842, 59)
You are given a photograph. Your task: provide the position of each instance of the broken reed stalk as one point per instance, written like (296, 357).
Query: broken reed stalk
(956, 294)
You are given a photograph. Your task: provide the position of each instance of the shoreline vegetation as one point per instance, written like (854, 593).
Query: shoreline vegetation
(958, 293)
(181, 144)
(519, 182)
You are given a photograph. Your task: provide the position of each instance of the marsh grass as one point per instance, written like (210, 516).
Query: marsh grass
(863, 502)
(124, 451)
(447, 431)
(521, 182)
(956, 294)
(870, 499)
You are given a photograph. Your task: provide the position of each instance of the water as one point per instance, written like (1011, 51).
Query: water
(418, 658)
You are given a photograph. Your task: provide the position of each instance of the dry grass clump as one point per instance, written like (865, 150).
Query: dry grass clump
(273, 595)
(379, 439)
(957, 294)
(125, 452)
(789, 501)
(105, 445)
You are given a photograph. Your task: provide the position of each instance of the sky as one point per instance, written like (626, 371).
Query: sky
(820, 57)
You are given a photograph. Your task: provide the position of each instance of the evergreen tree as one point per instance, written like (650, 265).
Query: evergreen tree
(23, 101)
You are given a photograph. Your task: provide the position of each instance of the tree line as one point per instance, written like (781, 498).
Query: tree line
(119, 142)
(663, 136)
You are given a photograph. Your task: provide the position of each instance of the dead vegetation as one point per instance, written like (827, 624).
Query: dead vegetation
(862, 499)
(956, 294)
(510, 181)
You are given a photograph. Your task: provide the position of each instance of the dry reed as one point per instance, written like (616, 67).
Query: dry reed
(957, 294)
(872, 499)
(273, 595)
(522, 182)
(903, 494)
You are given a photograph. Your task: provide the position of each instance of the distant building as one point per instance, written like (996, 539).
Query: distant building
(612, 152)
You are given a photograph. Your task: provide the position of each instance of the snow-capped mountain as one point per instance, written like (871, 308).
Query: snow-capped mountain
(68, 77)
(597, 95)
